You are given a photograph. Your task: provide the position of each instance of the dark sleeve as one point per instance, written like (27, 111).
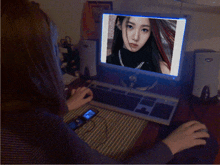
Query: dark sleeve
(109, 59)
(77, 151)
(112, 59)
(159, 154)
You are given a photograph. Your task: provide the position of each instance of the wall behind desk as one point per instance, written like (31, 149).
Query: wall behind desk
(204, 31)
(204, 26)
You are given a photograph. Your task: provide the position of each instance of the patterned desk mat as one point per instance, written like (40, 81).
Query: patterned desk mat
(111, 133)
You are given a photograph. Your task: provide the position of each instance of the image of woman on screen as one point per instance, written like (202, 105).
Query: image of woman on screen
(137, 43)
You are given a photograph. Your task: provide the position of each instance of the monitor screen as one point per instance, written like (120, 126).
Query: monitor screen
(143, 44)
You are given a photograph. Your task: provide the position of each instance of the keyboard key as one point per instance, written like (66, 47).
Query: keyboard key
(101, 87)
(92, 86)
(118, 91)
(115, 99)
(150, 98)
(135, 95)
(149, 103)
(161, 110)
(142, 110)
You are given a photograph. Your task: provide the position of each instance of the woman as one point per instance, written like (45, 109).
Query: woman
(33, 100)
(134, 45)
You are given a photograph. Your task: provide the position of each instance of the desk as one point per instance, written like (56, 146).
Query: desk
(205, 113)
(209, 114)
(111, 133)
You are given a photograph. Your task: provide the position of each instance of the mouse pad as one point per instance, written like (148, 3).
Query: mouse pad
(111, 133)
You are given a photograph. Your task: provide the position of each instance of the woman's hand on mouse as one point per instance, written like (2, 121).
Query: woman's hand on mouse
(77, 98)
(186, 136)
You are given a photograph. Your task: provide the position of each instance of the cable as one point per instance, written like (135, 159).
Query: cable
(88, 130)
(105, 132)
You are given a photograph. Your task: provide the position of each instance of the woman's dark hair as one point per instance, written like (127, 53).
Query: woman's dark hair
(164, 30)
(31, 76)
(118, 42)
(154, 43)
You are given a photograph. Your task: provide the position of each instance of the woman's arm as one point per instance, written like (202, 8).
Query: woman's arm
(187, 135)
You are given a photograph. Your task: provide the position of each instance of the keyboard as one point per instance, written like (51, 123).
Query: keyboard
(136, 103)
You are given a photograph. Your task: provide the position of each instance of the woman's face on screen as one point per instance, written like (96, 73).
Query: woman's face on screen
(135, 32)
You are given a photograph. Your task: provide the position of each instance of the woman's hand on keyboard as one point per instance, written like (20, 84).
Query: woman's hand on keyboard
(188, 135)
(78, 97)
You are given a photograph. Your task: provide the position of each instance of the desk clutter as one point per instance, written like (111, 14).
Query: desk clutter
(69, 56)
(111, 133)
(68, 79)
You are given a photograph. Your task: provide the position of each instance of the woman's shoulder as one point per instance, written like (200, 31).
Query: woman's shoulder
(32, 131)
(164, 67)
(31, 121)
(110, 57)
(113, 59)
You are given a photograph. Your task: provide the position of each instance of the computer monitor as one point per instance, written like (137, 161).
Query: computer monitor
(139, 47)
